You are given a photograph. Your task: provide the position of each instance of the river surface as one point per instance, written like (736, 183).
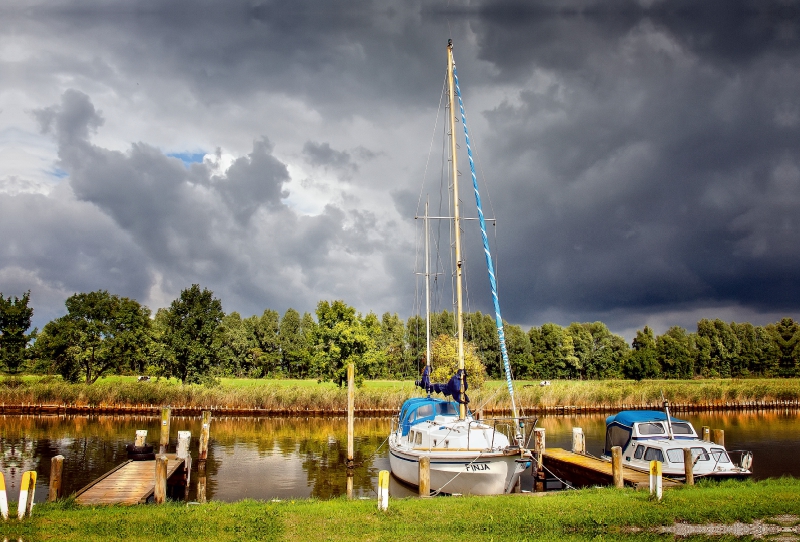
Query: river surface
(285, 458)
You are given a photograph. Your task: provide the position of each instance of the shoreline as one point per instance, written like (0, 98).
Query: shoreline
(222, 411)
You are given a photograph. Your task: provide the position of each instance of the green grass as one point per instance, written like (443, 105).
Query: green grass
(386, 394)
(594, 514)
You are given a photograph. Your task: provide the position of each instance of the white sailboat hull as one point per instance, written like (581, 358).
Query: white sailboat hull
(466, 473)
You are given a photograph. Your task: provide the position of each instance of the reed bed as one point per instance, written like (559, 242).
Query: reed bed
(290, 396)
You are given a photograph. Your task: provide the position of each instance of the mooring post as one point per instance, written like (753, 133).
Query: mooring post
(351, 395)
(616, 466)
(350, 475)
(718, 436)
(56, 468)
(163, 442)
(184, 439)
(578, 443)
(655, 479)
(141, 437)
(706, 434)
(3, 497)
(202, 454)
(383, 490)
(539, 448)
(424, 476)
(26, 490)
(201, 487)
(160, 490)
(688, 466)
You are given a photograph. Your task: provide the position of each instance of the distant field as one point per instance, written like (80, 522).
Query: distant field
(386, 394)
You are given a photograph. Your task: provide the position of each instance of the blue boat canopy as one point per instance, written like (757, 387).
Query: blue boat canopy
(421, 409)
(630, 417)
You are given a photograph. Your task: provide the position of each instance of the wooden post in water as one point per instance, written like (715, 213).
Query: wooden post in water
(56, 468)
(160, 490)
(141, 437)
(616, 466)
(351, 395)
(184, 439)
(350, 483)
(425, 476)
(655, 479)
(578, 443)
(706, 434)
(201, 486)
(202, 454)
(539, 448)
(718, 436)
(163, 442)
(688, 466)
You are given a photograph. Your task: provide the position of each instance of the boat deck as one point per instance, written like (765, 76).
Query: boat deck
(583, 470)
(132, 482)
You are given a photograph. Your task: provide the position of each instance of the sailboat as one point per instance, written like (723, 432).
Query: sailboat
(467, 455)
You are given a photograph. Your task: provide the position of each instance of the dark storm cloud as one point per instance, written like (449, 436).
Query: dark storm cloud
(652, 170)
(321, 154)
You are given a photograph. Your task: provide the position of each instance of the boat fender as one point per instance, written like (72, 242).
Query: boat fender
(133, 449)
(747, 460)
(142, 457)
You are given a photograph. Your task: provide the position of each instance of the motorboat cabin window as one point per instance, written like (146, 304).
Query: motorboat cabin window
(418, 438)
(639, 452)
(651, 428)
(719, 455)
(411, 436)
(675, 455)
(654, 454)
(699, 454)
(679, 428)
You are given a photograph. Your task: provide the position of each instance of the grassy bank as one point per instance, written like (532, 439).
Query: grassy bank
(596, 514)
(308, 394)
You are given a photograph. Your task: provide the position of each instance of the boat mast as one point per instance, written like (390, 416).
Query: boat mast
(462, 408)
(427, 295)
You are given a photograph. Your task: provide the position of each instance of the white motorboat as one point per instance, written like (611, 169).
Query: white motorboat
(651, 435)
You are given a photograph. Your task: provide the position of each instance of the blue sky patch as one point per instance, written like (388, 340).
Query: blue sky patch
(188, 158)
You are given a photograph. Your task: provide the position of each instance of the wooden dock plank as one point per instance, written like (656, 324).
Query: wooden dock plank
(129, 483)
(583, 470)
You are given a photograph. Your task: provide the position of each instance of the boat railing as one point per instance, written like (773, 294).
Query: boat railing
(506, 426)
(742, 459)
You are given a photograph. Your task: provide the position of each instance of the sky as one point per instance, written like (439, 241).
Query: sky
(641, 158)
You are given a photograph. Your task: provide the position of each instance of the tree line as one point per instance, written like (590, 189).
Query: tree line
(195, 341)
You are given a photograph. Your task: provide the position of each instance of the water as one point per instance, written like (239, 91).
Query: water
(285, 458)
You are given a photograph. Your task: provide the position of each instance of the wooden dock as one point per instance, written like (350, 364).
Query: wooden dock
(132, 482)
(583, 470)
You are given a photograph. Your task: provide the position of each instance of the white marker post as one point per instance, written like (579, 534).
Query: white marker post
(26, 493)
(383, 490)
(3, 497)
(655, 479)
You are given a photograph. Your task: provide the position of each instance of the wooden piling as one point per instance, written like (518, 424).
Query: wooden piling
(56, 469)
(350, 474)
(201, 486)
(688, 466)
(706, 434)
(616, 466)
(141, 437)
(184, 439)
(351, 394)
(160, 490)
(424, 476)
(578, 442)
(718, 436)
(163, 442)
(205, 431)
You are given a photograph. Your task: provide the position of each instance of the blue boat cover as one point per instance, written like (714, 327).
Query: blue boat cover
(629, 417)
(452, 388)
(420, 409)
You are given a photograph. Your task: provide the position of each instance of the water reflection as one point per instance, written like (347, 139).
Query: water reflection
(284, 458)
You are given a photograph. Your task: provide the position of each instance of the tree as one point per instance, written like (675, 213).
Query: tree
(339, 339)
(718, 349)
(519, 351)
(786, 335)
(553, 352)
(265, 340)
(100, 332)
(392, 342)
(481, 331)
(15, 320)
(192, 323)
(643, 362)
(444, 362)
(675, 353)
(237, 355)
(294, 345)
